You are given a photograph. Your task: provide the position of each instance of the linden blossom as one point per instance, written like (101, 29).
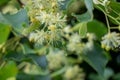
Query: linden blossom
(111, 41)
(75, 40)
(51, 18)
(77, 75)
(56, 59)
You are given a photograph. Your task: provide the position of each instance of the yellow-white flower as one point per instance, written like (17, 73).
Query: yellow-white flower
(38, 37)
(111, 40)
(55, 59)
(75, 44)
(52, 20)
(74, 73)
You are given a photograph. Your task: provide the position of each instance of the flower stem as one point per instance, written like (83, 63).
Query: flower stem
(107, 23)
(113, 27)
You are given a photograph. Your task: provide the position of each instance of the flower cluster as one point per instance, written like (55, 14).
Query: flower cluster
(46, 11)
(56, 59)
(111, 41)
(75, 44)
(52, 20)
(74, 73)
(38, 37)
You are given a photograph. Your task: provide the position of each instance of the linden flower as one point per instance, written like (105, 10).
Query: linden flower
(54, 34)
(67, 29)
(38, 37)
(74, 73)
(51, 18)
(111, 41)
(75, 44)
(55, 59)
(46, 11)
(49, 15)
(75, 47)
(75, 38)
(52, 27)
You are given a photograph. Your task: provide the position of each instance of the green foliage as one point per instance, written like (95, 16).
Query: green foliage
(82, 29)
(44, 39)
(106, 75)
(4, 32)
(96, 27)
(3, 2)
(96, 57)
(17, 21)
(89, 5)
(8, 70)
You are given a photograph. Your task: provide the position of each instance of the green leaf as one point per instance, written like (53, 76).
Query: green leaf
(95, 56)
(83, 17)
(114, 11)
(23, 76)
(2, 2)
(16, 21)
(8, 71)
(116, 76)
(107, 74)
(3, 19)
(16, 56)
(87, 16)
(89, 5)
(96, 27)
(4, 32)
(115, 6)
(82, 27)
(64, 4)
(39, 60)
